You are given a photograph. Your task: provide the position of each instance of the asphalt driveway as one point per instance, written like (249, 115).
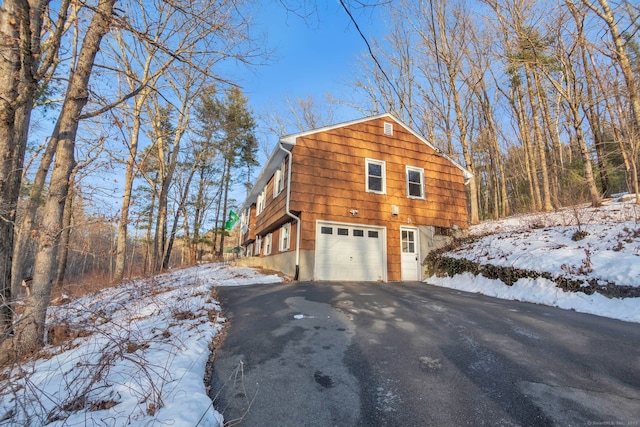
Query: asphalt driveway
(410, 354)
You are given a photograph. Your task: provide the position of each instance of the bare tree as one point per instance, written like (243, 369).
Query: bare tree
(170, 36)
(443, 33)
(25, 65)
(570, 88)
(603, 11)
(29, 331)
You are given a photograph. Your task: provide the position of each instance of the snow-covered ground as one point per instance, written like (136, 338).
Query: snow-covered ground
(140, 349)
(139, 358)
(608, 251)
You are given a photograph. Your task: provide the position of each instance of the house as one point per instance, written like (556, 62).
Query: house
(364, 200)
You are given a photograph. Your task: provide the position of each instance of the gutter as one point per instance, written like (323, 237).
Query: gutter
(289, 213)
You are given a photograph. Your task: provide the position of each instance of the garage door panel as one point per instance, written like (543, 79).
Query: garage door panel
(350, 252)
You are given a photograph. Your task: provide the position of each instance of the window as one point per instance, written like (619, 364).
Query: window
(375, 170)
(388, 128)
(285, 237)
(244, 221)
(358, 233)
(343, 231)
(415, 182)
(267, 244)
(258, 245)
(373, 234)
(276, 183)
(260, 203)
(326, 230)
(408, 241)
(278, 180)
(247, 216)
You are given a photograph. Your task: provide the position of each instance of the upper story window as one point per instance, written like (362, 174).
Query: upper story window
(375, 171)
(247, 217)
(262, 200)
(388, 128)
(244, 221)
(277, 188)
(285, 237)
(278, 180)
(415, 182)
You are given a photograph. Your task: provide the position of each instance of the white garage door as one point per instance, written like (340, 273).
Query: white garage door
(350, 252)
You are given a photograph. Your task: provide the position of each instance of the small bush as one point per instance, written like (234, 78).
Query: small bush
(579, 235)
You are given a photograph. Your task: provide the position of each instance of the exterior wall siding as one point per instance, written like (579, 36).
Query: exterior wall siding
(329, 180)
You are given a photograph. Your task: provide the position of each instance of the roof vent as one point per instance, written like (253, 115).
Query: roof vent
(388, 128)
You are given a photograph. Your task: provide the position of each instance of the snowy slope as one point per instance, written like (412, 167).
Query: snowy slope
(582, 243)
(139, 358)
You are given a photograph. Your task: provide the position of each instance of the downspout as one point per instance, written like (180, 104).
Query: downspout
(288, 211)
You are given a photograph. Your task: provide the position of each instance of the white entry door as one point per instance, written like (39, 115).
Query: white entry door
(410, 262)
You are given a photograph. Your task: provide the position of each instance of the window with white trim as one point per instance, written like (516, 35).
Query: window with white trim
(267, 244)
(376, 176)
(285, 237)
(415, 182)
(260, 203)
(276, 183)
(278, 180)
(247, 218)
(388, 128)
(258, 245)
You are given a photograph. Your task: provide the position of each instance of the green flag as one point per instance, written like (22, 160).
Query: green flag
(233, 219)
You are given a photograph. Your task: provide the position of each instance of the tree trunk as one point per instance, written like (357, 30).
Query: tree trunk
(227, 181)
(66, 233)
(197, 219)
(29, 332)
(556, 146)
(148, 254)
(174, 228)
(217, 227)
(501, 193)
(10, 66)
(466, 153)
(30, 210)
(160, 236)
(121, 242)
(586, 159)
(539, 142)
(532, 176)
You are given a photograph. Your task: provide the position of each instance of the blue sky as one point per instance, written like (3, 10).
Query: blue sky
(312, 57)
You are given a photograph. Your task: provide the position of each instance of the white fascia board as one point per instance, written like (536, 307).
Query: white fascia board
(269, 169)
(287, 139)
